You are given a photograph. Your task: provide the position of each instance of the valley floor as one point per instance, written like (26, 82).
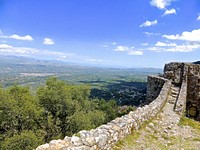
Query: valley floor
(168, 131)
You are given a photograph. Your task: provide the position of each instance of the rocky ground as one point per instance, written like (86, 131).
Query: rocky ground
(168, 131)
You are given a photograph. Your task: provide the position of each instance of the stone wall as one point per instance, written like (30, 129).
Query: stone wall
(193, 92)
(105, 136)
(154, 86)
(180, 104)
(187, 76)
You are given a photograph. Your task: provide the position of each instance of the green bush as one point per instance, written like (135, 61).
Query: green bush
(27, 140)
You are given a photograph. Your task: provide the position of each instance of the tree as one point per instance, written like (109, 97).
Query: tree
(110, 108)
(26, 140)
(58, 109)
(82, 120)
(19, 110)
(55, 98)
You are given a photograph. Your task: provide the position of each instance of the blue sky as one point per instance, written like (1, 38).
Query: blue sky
(120, 33)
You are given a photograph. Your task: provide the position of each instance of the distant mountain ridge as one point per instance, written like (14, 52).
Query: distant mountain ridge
(9, 59)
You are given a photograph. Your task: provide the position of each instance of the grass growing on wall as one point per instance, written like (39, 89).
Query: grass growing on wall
(184, 121)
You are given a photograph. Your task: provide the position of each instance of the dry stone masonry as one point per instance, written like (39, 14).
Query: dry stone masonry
(184, 77)
(187, 77)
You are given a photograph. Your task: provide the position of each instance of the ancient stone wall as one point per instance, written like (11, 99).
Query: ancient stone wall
(175, 72)
(193, 92)
(154, 86)
(180, 104)
(105, 136)
(187, 76)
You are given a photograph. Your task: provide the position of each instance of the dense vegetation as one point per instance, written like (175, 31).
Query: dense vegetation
(126, 86)
(57, 109)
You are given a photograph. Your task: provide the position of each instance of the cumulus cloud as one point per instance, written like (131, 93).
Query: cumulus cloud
(129, 50)
(5, 46)
(169, 12)
(183, 48)
(121, 49)
(135, 53)
(178, 48)
(174, 47)
(191, 36)
(161, 44)
(155, 49)
(149, 23)
(48, 41)
(161, 4)
(187, 36)
(24, 38)
(198, 18)
(172, 37)
(17, 37)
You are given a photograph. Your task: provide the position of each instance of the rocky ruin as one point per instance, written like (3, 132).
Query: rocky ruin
(186, 75)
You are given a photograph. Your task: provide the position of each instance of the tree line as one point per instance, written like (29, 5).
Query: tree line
(56, 110)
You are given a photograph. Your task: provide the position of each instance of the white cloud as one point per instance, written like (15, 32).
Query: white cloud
(114, 43)
(48, 41)
(184, 48)
(172, 37)
(17, 37)
(23, 38)
(155, 49)
(5, 46)
(94, 60)
(135, 53)
(121, 49)
(161, 4)
(149, 23)
(19, 51)
(191, 36)
(187, 36)
(150, 33)
(161, 44)
(169, 12)
(198, 18)
(33, 52)
(173, 47)
(172, 44)
(1, 32)
(129, 50)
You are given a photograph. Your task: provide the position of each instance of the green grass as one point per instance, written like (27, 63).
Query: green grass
(184, 121)
(128, 140)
